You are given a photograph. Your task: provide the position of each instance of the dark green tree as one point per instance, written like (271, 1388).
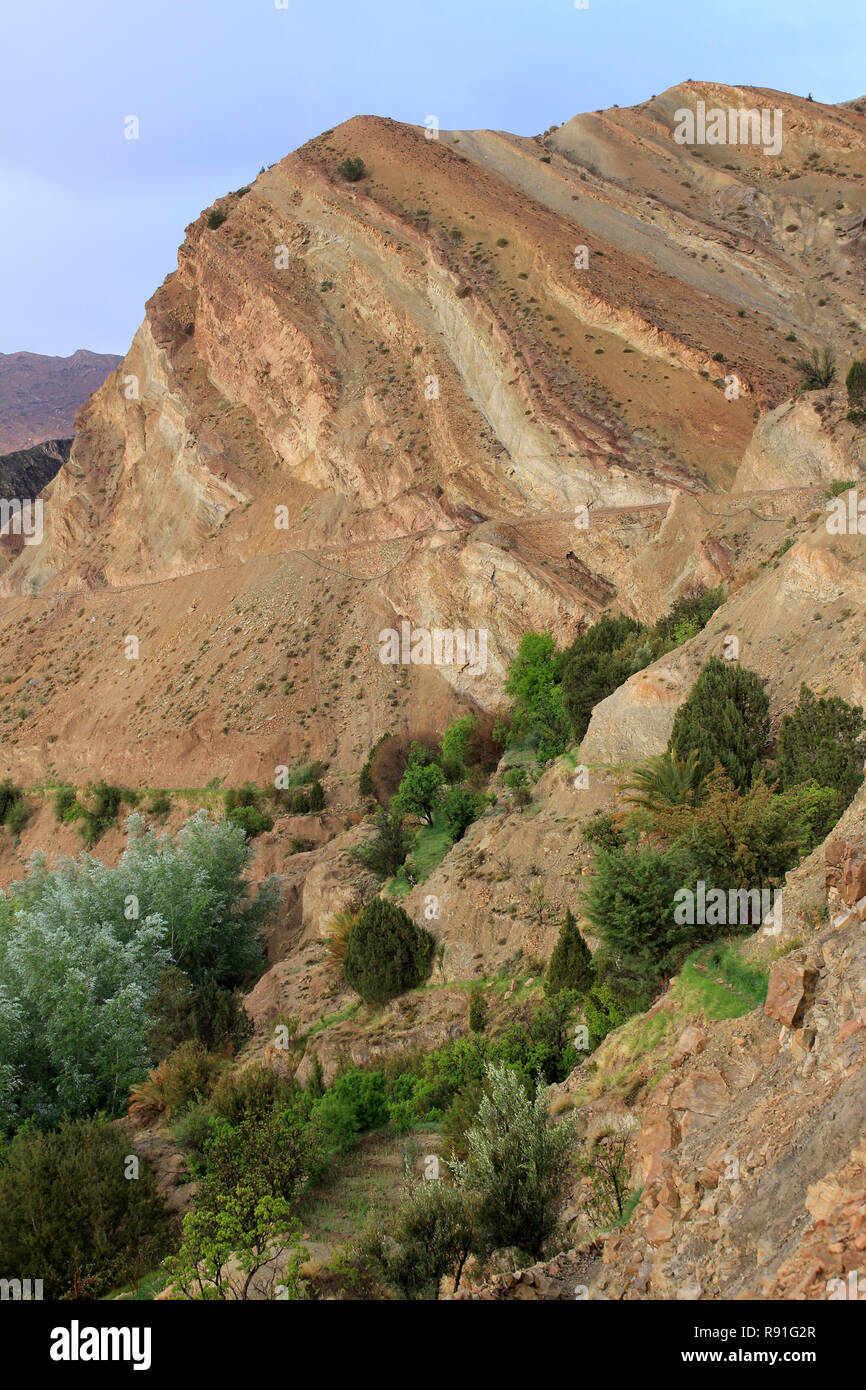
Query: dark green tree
(387, 953)
(317, 796)
(855, 383)
(726, 719)
(630, 903)
(571, 963)
(822, 740)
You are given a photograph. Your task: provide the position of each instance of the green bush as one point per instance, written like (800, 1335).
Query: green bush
(629, 902)
(65, 804)
(855, 384)
(538, 713)
(208, 1013)
(352, 168)
(387, 953)
(817, 370)
(516, 1165)
(385, 853)
(725, 719)
(317, 796)
(460, 807)
(254, 1092)
(71, 1215)
(216, 218)
(251, 820)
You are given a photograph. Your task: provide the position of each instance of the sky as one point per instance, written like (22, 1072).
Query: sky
(92, 220)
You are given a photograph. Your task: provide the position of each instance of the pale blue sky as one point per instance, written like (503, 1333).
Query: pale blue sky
(92, 221)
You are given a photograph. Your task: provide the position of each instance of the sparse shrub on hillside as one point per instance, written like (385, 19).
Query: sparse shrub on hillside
(255, 1092)
(571, 962)
(817, 370)
(518, 783)
(352, 168)
(477, 1009)
(187, 1076)
(387, 952)
(601, 831)
(749, 839)
(65, 804)
(317, 796)
(159, 804)
(16, 810)
(430, 1235)
(725, 719)
(823, 740)
(516, 1165)
(216, 218)
(99, 812)
(391, 842)
(69, 1214)
(606, 1166)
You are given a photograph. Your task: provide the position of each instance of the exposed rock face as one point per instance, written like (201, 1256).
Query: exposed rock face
(358, 404)
(750, 1141)
(39, 396)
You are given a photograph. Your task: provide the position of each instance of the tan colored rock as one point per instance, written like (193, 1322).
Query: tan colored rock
(790, 981)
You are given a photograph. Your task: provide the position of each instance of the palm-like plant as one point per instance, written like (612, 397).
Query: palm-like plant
(662, 782)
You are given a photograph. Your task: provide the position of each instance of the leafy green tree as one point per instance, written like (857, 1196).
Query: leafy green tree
(243, 1220)
(726, 719)
(630, 904)
(317, 796)
(460, 807)
(823, 741)
(455, 743)
(387, 953)
(594, 666)
(71, 1214)
(421, 785)
(83, 949)
(391, 842)
(516, 1165)
(534, 685)
(571, 963)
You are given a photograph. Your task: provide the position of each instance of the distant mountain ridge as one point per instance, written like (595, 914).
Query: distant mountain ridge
(25, 472)
(40, 395)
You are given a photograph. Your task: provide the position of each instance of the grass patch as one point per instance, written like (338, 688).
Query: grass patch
(719, 983)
